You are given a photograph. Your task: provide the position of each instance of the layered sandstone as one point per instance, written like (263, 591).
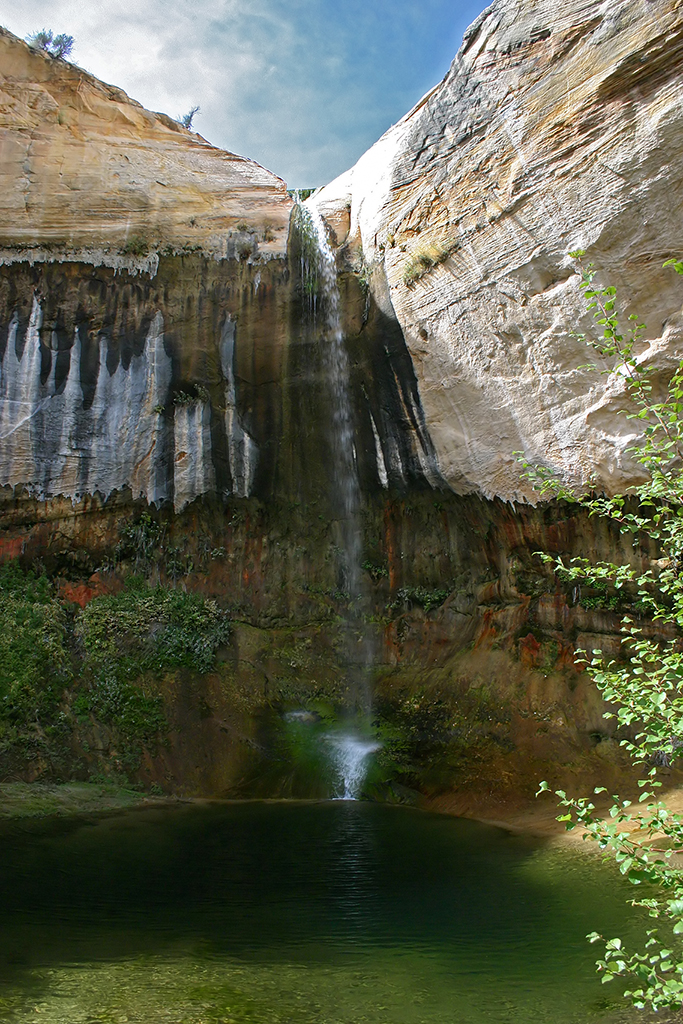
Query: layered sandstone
(87, 173)
(557, 127)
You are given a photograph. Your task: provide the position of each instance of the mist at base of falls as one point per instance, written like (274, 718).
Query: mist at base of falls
(350, 756)
(331, 757)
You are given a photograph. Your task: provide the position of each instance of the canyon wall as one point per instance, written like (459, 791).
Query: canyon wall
(556, 128)
(164, 399)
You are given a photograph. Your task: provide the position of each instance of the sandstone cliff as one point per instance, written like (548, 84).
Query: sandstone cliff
(165, 403)
(87, 173)
(153, 331)
(558, 127)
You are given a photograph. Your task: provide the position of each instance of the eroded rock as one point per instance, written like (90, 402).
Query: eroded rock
(87, 173)
(557, 127)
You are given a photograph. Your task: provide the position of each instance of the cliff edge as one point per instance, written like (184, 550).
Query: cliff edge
(87, 173)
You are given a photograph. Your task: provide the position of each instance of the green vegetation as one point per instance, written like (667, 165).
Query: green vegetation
(425, 257)
(198, 394)
(127, 640)
(425, 597)
(140, 540)
(145, 629)
(431, 734)
(301, 194)
(376, 570)
(645, 686)
(64, 670)
(42, 799)
(186, 119)
(59, 46)
(34, 661)
(136, 246)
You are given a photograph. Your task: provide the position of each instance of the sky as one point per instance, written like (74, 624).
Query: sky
(302, 86)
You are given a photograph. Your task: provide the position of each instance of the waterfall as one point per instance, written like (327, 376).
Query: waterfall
(344, 483)
(350, 755)
(349, 750)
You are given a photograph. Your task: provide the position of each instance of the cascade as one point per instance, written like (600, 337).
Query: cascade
(349, 750)
(350, 756)
(344, 481)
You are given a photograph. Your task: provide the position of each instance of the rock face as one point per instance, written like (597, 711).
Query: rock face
(558, 127)
(87, 173)
(155, 337)
(128, 246)
(165, 397)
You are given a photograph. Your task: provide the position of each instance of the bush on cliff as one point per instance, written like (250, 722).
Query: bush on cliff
(63, 671)
(644, 687)
(145, 629)
(59, 46)
(34, 660)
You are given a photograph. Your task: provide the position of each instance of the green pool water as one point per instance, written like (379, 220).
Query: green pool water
(324, 913)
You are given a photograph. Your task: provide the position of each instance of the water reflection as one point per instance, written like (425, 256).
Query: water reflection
(333, 912)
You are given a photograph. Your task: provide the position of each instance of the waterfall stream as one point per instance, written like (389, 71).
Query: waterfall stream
(344, 483)
(349, 750)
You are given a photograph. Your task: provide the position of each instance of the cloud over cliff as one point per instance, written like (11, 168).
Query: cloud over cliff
(302, 86)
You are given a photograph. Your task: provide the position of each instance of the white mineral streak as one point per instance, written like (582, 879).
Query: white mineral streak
(381, 464)
(20, 400)
(52, 445)
(129, 433)
(193, 472)
(242, 449)
(558, 126)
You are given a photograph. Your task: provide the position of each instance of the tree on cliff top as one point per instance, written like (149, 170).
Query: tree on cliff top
(644, 687)
(187, 119)
(55, 46)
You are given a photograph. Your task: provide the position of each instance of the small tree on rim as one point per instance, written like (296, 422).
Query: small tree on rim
(56, 46)
(187, 119)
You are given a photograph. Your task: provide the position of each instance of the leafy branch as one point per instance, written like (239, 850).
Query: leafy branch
(644, 687)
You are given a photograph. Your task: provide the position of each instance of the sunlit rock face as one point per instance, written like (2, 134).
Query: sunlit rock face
(87, 173)
(558, 127)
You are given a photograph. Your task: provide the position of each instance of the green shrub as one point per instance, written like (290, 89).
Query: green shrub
(126, 639)
(145, 629)
(59, 46)
(186, 119)
(425, 257)
(34, 663)
(643, 688)
(136, 246)
(425, 597)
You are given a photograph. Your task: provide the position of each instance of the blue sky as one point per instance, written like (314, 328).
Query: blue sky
(302, 86)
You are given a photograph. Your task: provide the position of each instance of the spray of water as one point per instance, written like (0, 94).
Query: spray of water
(350, 756)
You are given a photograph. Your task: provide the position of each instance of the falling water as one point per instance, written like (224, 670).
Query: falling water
(336, 369)
(350, 752)
(350, 756)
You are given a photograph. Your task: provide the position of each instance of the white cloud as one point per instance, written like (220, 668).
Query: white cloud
(302, 86)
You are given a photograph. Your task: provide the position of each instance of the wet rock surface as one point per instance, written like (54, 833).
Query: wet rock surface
(165, 410)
